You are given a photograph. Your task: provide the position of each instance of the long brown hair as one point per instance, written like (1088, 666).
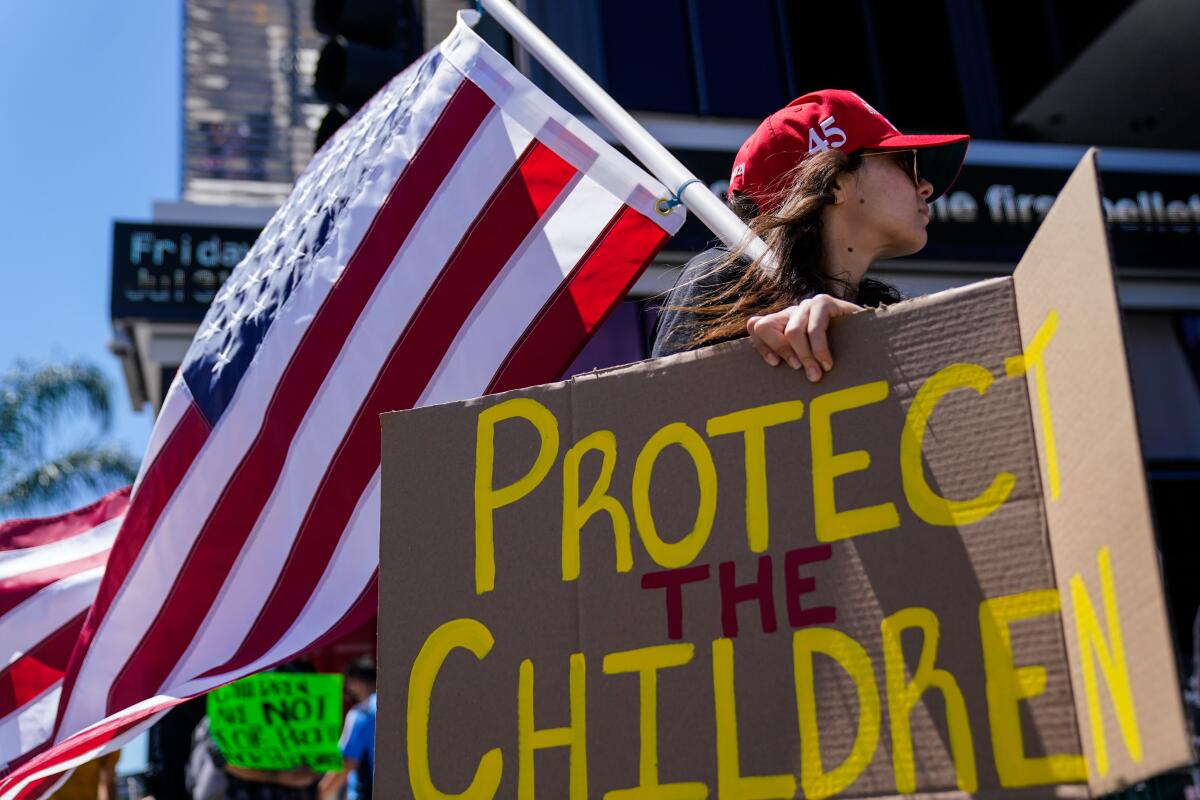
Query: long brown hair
(793, 233)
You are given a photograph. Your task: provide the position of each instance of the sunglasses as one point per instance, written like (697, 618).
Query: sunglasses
(907, 159)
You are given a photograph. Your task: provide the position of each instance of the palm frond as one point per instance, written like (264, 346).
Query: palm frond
(34, 399)
(57, 483)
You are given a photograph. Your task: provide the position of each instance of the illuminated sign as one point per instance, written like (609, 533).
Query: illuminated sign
(992, 211)
(172, 272)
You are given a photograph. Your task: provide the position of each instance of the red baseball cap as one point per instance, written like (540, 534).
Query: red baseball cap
(839, 119)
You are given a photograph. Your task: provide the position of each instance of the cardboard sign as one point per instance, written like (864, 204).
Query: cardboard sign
(699, 576)
(279, 721)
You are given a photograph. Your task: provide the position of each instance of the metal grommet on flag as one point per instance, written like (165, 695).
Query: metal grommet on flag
(665, 205)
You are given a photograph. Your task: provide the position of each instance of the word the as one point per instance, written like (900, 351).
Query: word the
(760, 591)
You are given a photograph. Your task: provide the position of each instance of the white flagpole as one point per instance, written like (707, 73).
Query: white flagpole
(656, 158)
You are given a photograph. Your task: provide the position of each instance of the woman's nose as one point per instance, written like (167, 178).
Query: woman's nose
(925, 189)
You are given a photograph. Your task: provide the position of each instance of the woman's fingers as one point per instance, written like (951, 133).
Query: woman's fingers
(840, 308)
(824, 309)
(796, 332)
(797, 335)
(768, 355)
(768, 333)
(780, 337)
(818, 322)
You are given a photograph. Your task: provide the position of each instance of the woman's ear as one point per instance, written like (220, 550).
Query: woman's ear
(839, 193)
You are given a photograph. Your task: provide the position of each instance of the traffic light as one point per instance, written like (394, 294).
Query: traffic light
(370, 41)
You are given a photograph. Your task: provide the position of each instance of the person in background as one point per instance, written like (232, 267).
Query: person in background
(95, 780)
(211, 777)
(358, 738)
(168, 749)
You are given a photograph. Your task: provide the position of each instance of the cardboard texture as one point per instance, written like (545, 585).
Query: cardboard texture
(699, 576)
(1100, 502)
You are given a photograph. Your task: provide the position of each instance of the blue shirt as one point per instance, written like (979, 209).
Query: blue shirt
(358, 743)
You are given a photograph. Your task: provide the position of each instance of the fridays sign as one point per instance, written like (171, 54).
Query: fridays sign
(695, 576)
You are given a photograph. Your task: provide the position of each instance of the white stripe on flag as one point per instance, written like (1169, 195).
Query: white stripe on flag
(346, 574)
(43, 613)
(415, 268)
(110, 745)
(88, 543)
(172, 411)
(140, 598)
(571, 139)
(526, 284)
(32, 723)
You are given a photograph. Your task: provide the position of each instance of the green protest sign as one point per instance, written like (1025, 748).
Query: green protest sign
(278, 721)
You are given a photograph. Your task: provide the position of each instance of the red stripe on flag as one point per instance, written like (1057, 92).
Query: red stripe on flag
(603, 275)
(224, 533)
(156, 488)
(43, 757)
(39, 667)
(18, 534)
(364, 608)
(515, 208)
(19, 588)
(24, 758)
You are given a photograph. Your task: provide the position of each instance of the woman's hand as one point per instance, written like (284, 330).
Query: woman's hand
(796, 335)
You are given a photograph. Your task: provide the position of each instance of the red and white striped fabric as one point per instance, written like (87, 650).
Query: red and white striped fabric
(50, 569)
(462, 235)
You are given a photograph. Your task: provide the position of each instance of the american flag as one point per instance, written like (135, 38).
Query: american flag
(461, 235)
(50, 569)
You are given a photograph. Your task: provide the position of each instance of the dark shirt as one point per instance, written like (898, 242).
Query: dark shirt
(698, 282)
(702, 278)
(208, 775)
(170, 745)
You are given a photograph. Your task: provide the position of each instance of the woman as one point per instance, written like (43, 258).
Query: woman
(832, 187)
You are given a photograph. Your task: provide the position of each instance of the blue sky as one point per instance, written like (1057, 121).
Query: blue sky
(91, 132)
